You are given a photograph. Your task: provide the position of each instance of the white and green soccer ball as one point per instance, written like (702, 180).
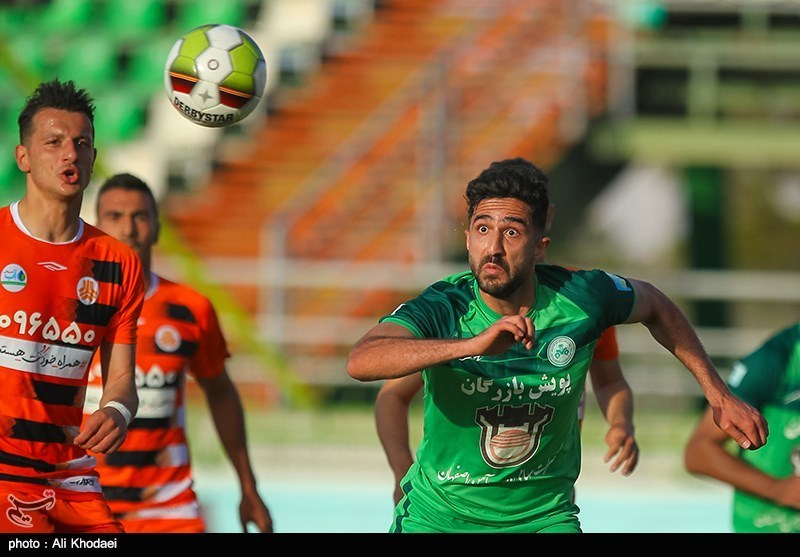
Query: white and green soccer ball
(215, 75)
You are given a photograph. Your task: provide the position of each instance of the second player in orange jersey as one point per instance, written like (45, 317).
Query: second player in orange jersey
(148, 482)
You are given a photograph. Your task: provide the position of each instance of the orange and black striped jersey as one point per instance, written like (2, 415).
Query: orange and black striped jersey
(179, 333)
(607, 348)
(58, 303)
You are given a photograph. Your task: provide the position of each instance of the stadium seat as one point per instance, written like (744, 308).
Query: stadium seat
(29, 51)
(12, 181)
(91, 60)
(15, 18)
(193, 13)
(65, 16)
(9, 110)
(145, 68)
(121, 115)
(129, 19)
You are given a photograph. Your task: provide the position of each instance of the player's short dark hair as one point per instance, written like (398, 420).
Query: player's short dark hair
(129, 182)
(517, 178)
(62, 95)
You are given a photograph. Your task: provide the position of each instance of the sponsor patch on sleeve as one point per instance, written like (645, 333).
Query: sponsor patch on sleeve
(619, 282)
(738, 371)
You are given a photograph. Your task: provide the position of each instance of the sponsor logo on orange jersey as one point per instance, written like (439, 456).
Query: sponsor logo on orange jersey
(88, 290)
(13, 278)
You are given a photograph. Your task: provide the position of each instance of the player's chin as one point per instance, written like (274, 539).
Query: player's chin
(494, 278)
(494, 286)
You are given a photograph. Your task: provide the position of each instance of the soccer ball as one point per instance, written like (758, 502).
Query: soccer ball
(215, 75)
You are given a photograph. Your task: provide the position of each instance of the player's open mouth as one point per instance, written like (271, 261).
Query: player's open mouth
(70, 175)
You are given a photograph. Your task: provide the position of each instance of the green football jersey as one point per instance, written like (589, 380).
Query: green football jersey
(501, 443)
(769, 379)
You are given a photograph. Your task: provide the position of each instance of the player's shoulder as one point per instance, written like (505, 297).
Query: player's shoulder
(456, 285)
(564, 278)
(6, 219)
(551, 273)
(788, 337)
(179, 292)
(93, 236)
(10, 222)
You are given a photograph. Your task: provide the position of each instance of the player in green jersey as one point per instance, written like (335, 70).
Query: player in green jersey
(613, 393)
(504, 350)
(766, 482)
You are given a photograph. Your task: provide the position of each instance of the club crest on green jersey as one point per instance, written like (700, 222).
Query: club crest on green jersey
(560, 351)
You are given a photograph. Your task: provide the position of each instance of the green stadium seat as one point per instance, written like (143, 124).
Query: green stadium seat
(193, 13)
(65, 16)
(120, 116)
(12, 181)
(91, 60)
(9, 113)
(14, 19)
(30, 51)
(145, 68)
(134, 19)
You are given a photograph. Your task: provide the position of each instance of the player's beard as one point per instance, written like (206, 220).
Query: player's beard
(496, 286)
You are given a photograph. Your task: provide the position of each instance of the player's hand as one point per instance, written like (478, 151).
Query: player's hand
(622, 448)
(502, 334)
(103, 432)
(252, 509)
(743, 423)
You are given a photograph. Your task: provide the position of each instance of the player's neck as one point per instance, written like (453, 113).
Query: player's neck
(51, 220)
(519, 303)
(147, 272)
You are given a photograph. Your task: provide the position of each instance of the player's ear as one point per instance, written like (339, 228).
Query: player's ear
(541, 248)
(551, 211)
(21, 155)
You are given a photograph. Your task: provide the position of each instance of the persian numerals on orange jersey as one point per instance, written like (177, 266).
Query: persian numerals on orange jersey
(34, 344)
(154, 378)
(157, 390)
(50, 329)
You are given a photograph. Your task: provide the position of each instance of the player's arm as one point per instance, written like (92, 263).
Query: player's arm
(389, 350)
(228, 415)
(615, 399)
(105, 430)
(670, 328)
(391, 420)
(707, 454)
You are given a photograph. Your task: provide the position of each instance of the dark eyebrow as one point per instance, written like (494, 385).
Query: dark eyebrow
(517, 220)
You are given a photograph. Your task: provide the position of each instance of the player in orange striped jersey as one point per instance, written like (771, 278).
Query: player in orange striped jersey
(66, 289)
(148, 482)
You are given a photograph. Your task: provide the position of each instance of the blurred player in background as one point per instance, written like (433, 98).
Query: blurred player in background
(148, 482)
(766, 482)
(505, 348)
(612, 391)
(67, 290)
